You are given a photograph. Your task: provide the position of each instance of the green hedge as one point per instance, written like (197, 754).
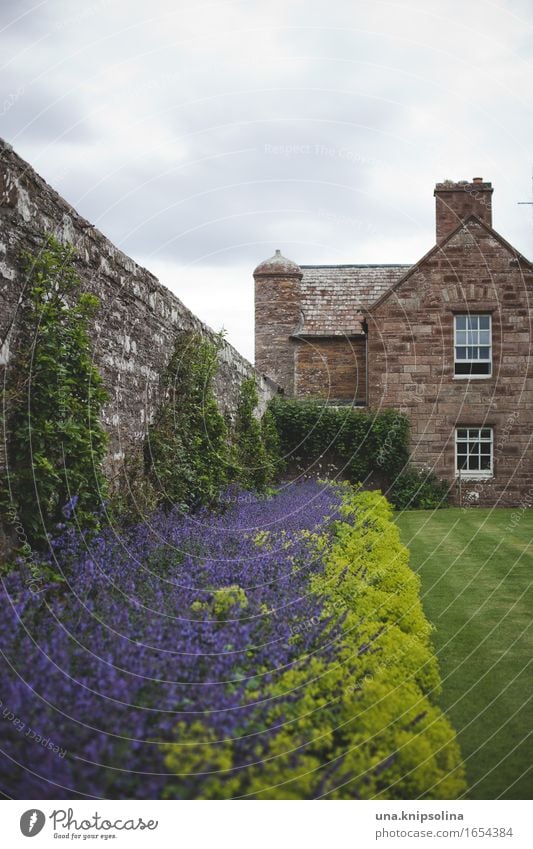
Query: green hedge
(355, 443)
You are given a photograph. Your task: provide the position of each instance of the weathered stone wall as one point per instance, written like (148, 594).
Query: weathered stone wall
(332, 369)
(134, 332)
(411, 359)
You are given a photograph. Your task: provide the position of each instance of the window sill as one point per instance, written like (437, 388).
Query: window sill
(473, 476)
(472, 376)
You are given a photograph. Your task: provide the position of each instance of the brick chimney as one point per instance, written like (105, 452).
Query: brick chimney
(456, 201)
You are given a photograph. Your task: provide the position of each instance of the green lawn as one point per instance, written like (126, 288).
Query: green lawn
(476, 568)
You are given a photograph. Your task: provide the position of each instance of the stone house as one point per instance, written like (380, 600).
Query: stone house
(446, 341)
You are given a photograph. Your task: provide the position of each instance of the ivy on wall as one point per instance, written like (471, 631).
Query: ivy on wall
(192, 451)
(53, 399)
(255, 443)
(187, 443)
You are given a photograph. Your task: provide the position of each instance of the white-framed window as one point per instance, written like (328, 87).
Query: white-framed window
(474, 452)
(473, 345)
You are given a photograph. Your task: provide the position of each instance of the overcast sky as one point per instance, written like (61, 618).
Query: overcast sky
(199, 136)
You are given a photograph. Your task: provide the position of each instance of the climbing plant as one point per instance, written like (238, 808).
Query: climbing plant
(187, 443)
(256, 442)
(192, 451)
(54, 395)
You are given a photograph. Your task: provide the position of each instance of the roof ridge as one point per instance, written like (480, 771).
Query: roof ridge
(364, 265)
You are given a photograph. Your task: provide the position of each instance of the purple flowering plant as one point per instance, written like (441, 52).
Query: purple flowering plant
(176, 619)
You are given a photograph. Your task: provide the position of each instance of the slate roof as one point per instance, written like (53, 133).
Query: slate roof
(333, 296)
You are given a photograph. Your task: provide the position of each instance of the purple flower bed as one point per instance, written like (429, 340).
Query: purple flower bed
(151, 629)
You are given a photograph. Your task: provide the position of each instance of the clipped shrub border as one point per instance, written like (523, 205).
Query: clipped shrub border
(396, 738)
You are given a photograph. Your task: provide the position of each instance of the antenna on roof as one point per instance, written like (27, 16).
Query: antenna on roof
(528, 202)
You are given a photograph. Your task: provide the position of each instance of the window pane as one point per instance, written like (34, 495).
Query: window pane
(484, 353)
(473, 463)
(461, 337)
(462, 433)
(484, 322)
(471, 322)
(485, 462)
(460, 322)
(460, 353)
(463, 367)
(473, 447)
(486, 433)
(480, 368)
(484, 337)
(486, 448)
(462, 463)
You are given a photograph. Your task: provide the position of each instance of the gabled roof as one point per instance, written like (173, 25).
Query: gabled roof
(440, 246)
(333, 297)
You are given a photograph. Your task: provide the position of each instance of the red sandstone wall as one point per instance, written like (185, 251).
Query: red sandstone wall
(455, 202)
(332, 369)
(411, 359)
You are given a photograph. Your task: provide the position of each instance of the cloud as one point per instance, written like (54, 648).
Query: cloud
(206, 288)
(203, 137)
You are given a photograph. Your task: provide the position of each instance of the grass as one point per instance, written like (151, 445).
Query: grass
(476, 569)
